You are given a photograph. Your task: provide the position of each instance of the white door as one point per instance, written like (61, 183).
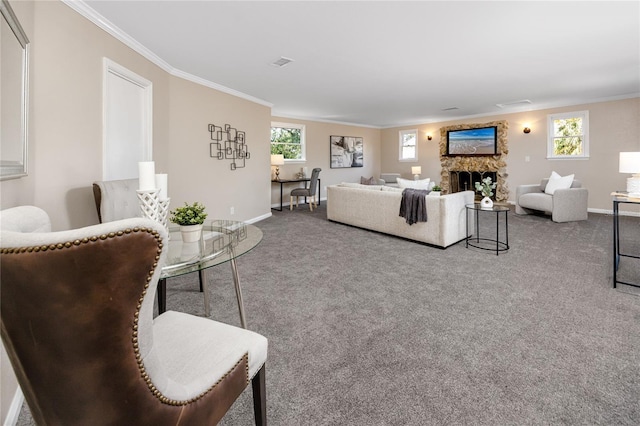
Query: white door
(127, 109)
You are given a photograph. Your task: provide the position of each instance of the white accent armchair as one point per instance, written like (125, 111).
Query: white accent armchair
(565, 205)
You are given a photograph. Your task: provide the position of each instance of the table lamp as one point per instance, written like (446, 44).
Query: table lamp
(630, 163)
(277, 160)
(416, 171)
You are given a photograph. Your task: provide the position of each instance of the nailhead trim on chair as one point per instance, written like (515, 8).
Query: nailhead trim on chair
(144, 374)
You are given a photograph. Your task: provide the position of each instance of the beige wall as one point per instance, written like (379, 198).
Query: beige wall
(317, 142)
(194, 175)
(614, 126)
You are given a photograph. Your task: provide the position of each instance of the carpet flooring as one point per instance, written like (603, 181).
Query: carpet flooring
(368, 329)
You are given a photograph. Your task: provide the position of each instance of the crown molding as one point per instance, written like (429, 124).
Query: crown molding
(89, 13)
(216, 86)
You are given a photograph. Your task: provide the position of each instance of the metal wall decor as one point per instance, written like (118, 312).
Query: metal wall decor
(228, 144)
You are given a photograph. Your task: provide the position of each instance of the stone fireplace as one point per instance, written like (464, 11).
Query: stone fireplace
(459, 173)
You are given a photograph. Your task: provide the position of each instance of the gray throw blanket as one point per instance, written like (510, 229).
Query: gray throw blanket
(413, 206)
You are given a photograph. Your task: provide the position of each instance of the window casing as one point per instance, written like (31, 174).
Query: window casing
(289, 140)
(568, 135)
(408, 145)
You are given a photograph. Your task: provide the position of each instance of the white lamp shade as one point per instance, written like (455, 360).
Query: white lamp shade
(416, 170)
(630, 162)
(277, 160)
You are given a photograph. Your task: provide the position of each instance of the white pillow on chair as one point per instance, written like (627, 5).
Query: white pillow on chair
(558, 182)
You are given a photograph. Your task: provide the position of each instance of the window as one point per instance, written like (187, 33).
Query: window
(288, 140)
(568, 135)
(408, 143)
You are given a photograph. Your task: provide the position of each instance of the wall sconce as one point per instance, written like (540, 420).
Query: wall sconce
(526, 129)
(416, 171)
(429, 137)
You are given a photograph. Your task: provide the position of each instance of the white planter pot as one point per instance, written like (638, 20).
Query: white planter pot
(435, 193)
(191, 233)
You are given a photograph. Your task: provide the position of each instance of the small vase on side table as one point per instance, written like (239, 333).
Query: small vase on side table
(486, 203)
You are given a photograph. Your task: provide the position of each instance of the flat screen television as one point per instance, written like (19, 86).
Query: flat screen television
(467, 142)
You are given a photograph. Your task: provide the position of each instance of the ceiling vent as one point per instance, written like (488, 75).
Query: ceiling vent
(512, 103)
(281, 62)
(450, 109)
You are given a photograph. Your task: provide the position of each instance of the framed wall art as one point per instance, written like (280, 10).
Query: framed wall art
(346, 151)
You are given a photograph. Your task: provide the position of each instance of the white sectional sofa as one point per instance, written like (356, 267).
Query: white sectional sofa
(377, 208)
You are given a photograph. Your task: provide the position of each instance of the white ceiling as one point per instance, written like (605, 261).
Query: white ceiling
(386, 63)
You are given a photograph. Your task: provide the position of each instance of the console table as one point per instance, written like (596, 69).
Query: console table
(620, 198)
(298, 180)
(222, 241)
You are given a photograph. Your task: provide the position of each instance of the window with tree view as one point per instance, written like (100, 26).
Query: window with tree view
(568, 135)
(288, 140)
(408, 144)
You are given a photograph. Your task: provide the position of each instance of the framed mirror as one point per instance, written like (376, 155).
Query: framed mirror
(14, 94)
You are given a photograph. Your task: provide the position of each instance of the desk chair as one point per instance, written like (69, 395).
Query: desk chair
(78, 326)
(309, 192)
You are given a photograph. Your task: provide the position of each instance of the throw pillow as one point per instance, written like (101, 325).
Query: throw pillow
(558, 182)
(415, 184)
(368, 181)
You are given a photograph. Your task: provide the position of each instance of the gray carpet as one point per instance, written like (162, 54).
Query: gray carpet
(367, 329)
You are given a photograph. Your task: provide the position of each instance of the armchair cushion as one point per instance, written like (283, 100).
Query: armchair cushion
(558, 182)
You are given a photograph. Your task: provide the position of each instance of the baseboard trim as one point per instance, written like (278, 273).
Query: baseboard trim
(259, 218)
(286, 203)
(14, 409)
(601, 211)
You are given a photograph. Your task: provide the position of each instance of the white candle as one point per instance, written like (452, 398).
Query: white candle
(304, 170)
(161, 184)
(147, 175)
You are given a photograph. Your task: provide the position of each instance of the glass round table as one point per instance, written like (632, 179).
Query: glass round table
(491, 244)
(222, 241)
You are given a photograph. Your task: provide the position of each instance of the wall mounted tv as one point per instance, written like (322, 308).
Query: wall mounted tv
(467, 142)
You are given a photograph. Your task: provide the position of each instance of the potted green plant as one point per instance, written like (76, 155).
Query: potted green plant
(190, 218)
(436, 190)
(486, 188)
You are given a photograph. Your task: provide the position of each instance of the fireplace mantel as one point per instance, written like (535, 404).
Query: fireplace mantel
(492, 163)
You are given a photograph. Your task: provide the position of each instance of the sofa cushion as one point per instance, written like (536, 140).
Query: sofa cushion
(392, 188)
(558, 182)
(415, 184)
(361, 186)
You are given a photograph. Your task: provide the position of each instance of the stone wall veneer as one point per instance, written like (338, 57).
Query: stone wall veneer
(489, 163)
